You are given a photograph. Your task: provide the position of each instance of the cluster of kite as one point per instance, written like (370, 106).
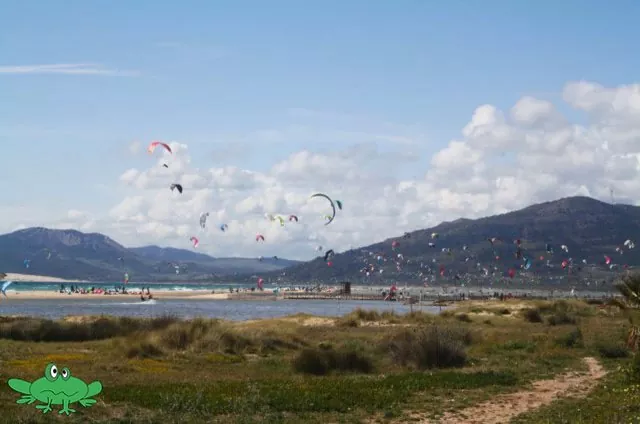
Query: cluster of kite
(376, 262)
(259, 238)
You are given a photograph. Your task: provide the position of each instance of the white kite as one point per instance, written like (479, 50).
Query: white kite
(3, 289)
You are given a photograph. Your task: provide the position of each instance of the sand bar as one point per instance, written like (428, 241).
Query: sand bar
(20, 278)
(157, 294)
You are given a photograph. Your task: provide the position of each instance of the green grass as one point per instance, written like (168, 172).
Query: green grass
(301, 394)
(363, 365)
(616, 400)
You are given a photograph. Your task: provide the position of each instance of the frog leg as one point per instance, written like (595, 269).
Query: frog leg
(45, 408)
(28, 399)
(87, 402)
(65, 408)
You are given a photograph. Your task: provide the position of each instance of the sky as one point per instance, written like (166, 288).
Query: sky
(410, 112)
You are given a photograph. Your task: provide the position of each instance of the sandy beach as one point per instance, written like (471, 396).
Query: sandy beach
(21, 278)
(157, 294)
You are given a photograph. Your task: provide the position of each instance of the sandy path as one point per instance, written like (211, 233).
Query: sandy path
(503, 408)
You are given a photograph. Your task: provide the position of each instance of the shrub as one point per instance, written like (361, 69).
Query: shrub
(311, 361)
(612, 351)
(634, 368)
(206, 335)
(430, 347)
(532, 315)
(144, 350)
(324, 361)
(419, 317)
(518, 345)
(572, 339)
(44, 330)
(561, 318)
(348, 321)
(364, 315)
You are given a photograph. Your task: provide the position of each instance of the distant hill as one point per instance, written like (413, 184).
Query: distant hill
(92, 256)
(589, 228)
(219, 265)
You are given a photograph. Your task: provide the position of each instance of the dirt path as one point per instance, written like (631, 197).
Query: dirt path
(503, 408)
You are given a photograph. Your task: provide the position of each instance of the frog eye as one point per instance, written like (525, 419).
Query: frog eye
(65, 373)
(51, 373)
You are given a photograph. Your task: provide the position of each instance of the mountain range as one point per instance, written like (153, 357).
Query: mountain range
(75, 255)
(590, 229)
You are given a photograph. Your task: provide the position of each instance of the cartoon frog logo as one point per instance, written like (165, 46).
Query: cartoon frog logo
(56, 388)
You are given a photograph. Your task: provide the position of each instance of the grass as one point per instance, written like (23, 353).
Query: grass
(322, 361)
(616, 400)
(362, 366)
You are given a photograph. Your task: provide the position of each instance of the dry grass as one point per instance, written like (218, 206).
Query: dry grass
(168, 370)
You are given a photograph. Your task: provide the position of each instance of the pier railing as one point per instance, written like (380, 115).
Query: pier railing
(330, 296)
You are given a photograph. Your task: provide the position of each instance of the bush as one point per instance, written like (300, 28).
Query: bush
(364, 315)
(573, 339)
(518, 345)
(144, 350)
(430, 347)
(612, 351)
(561, 318)
(44, 330)
(348, 322)
(532, 315)
(324, 361)
(634, 368)
(207, 335)
(463, 317)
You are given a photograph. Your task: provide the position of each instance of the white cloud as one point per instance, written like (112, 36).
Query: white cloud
(502, 161)
(135, 147)
(68, 69)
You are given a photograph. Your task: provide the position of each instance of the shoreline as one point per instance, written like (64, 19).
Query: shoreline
(157, 294)
(33, 278)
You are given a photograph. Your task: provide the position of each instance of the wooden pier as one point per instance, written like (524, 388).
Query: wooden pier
(330, 296)
(253, 296)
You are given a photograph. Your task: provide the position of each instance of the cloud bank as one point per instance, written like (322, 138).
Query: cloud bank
(503, 160)
(67, 69)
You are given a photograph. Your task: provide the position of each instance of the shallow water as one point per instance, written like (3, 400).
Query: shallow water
(237, 310)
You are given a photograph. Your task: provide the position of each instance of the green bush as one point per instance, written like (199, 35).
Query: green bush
(634, 368)
(532, 315)
(207, 335)
(561, 318)
(430, 347)
(44, 330)
(518, 345)
(612, 351)
(572, 339)
(325, 360)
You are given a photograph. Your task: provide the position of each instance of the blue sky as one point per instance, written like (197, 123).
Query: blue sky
(276, 76)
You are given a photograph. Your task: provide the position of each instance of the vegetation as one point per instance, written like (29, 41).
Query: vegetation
(629, 287)
(303, 369)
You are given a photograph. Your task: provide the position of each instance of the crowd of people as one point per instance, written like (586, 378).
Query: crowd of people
(76, 289)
